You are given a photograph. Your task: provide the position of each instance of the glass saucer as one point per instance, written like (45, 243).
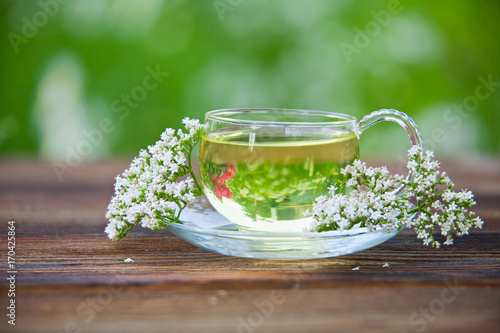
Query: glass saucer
(204, 227)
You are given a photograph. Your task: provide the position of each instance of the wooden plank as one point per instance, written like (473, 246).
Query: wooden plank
(92, 259)
(381, 309)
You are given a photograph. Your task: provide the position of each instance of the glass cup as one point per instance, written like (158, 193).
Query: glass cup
(263, 168)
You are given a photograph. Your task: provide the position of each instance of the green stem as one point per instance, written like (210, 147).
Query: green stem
(177, 218)
(413, 211)
(125, 231)
(421, 209)
(191, 172)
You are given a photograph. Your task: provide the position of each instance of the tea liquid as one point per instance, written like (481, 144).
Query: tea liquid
(255, 179)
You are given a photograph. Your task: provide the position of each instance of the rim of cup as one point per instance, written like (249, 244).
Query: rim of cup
(239, 116)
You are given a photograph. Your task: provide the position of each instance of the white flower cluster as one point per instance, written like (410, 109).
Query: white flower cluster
(371, 199)
(438, 208)
(150, 191)
(377, 205)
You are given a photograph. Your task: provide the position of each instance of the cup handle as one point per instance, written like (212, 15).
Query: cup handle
(399, 118)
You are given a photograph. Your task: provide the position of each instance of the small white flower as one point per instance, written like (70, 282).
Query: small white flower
(359, 165)
(429, 154)
(370, 173)
(414, 150)
(448, 195)
(376, 215)
(446, 180)
(449, 240)
(383, 171)
(437, 205)
(412, 166)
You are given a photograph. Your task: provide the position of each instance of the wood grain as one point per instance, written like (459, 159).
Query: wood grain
(71, 278)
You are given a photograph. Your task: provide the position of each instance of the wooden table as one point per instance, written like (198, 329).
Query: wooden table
(71, 278)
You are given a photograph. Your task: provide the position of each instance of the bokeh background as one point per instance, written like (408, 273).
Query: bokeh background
(103, 78)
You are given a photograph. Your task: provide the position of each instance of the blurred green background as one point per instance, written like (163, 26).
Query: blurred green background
(104, 78)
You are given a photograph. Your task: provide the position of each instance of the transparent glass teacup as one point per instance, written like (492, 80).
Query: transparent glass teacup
(263, 168)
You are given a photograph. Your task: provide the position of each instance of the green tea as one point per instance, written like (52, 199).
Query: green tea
(266, 181)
